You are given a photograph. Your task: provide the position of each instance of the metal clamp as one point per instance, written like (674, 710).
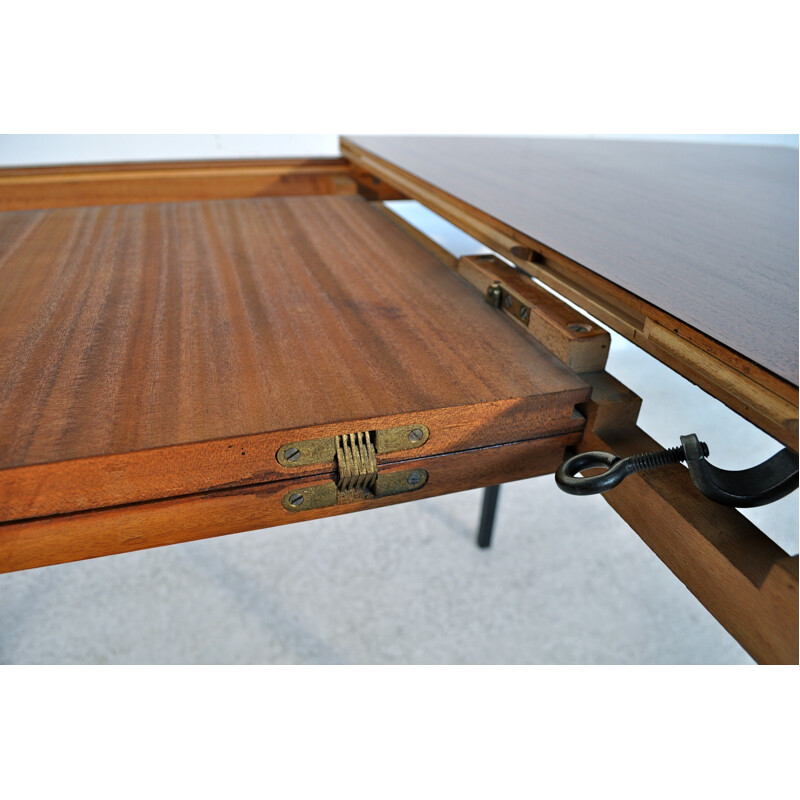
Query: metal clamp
(773, 479)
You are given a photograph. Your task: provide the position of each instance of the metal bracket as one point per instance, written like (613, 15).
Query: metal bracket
(358, 477)
(323, 451)
(765, 483)
(328, 494)
(499, 296)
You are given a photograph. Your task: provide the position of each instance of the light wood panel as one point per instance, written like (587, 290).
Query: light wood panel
(766, 398)
(171, 181)
(158, 350)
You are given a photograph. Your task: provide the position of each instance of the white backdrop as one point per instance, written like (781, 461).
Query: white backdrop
(85, 148)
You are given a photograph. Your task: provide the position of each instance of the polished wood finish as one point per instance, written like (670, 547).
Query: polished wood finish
(72, 537)
(171, 181)
(159, 350)
(741, 576)
(766, 398)
(577, 341)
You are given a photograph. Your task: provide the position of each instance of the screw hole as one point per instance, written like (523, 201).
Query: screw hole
(526, 254)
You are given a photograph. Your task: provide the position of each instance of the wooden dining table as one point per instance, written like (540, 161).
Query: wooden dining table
(191, 349)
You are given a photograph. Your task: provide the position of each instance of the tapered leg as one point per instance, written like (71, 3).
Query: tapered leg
(488, 513)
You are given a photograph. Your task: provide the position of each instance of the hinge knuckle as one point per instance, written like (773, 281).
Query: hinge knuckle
(355, 460)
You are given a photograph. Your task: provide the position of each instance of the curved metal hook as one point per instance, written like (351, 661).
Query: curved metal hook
(747, 488)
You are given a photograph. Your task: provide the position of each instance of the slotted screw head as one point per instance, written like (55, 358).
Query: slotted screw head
(508, 301)
(414, 478)
(291, 454)
(523, 313)
(416, 435)
(296, 499)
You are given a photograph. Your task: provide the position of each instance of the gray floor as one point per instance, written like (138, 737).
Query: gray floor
(566, 582)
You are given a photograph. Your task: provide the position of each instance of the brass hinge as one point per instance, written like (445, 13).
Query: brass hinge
(322, 451)
(357, 476)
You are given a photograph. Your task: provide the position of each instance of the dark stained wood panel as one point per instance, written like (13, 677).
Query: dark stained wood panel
(707, 233)
(143, 345)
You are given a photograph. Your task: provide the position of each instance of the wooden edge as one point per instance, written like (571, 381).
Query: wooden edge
(64, 487)
(742, 577)
(91, 534)
(159, 182)
(577, 341)
(758, 395)
(317, 163)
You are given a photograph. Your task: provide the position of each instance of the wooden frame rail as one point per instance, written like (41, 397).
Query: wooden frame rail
(171, 181)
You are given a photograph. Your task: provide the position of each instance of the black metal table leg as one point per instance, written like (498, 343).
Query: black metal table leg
(488, 513)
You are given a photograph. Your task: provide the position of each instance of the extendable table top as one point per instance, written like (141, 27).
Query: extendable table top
(180, 350)
(690, 250)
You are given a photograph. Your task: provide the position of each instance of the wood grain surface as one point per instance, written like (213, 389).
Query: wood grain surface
(171, 181)
(706, 233)
(157, 350)
(90, 534)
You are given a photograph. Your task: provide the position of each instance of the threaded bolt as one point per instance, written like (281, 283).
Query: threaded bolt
(660, 458)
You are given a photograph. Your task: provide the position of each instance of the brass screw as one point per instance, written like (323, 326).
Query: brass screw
(296, 499)
(415, 435)
(291, 454)
(523, 312)
(414, 478)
